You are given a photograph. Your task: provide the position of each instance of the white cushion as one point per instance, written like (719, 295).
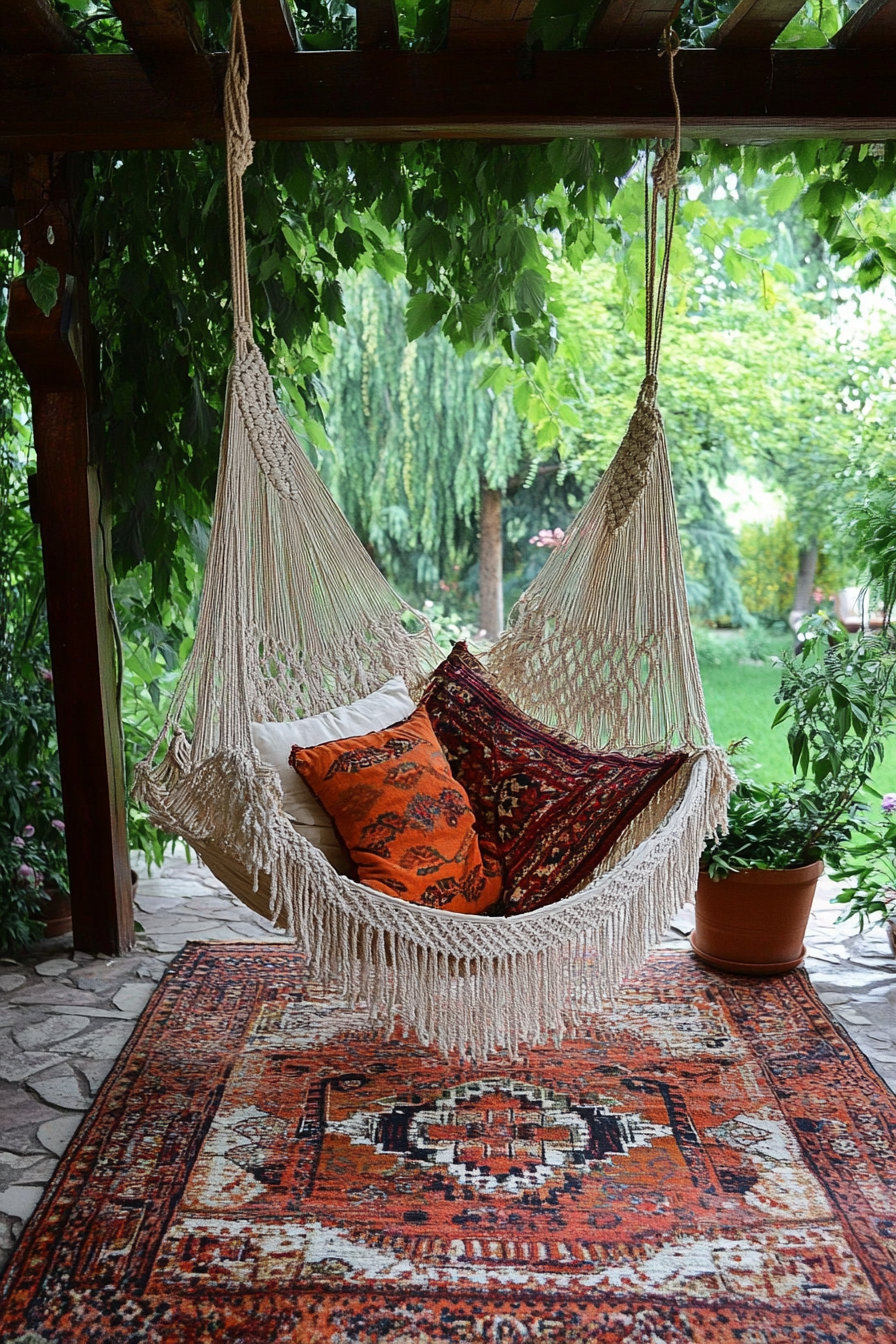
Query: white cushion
(274, 742)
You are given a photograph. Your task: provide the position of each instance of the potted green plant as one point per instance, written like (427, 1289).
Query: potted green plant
(868, 867)
(758, 881)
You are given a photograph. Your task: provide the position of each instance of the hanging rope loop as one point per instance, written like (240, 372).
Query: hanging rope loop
(664, 179)
(665, 169)
(239, 156)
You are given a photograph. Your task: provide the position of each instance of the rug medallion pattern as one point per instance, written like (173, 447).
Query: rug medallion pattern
(712, 1161)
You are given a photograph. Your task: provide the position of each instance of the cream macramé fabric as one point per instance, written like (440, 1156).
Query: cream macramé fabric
(296, 619)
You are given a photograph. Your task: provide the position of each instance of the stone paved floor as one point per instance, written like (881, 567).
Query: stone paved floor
(65, 1016)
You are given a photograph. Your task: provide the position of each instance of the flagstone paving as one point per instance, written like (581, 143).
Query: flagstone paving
(65, 1016)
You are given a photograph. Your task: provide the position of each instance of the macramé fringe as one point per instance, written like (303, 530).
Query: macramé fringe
(466, 983)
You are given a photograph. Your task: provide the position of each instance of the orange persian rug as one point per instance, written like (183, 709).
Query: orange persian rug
(711, 1161)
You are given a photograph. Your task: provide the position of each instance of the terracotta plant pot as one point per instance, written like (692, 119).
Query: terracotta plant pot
(754, 922)
(56, 912)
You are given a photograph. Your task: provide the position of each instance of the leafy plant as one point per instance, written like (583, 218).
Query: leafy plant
(32, 844)
(775, 826)
(869, 869)
(839, 695)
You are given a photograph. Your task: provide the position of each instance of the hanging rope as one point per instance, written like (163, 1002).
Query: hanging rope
(239, 156)
(630, 469)
(665, 188)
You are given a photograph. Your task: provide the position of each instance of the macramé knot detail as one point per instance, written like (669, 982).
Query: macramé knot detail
(629, 471)
(665, 172)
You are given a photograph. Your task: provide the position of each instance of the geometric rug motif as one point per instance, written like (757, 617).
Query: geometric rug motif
(711, 1161)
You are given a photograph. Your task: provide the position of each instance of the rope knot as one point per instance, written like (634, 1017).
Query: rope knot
(647, 393)
(665, 172)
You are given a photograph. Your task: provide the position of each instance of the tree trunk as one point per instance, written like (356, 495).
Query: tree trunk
(491, 563)
(805, 584)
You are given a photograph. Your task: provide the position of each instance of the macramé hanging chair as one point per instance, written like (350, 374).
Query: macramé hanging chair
(296, 618)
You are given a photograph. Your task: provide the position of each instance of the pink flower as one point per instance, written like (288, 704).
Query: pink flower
(45, 674)
(547, 537)
(18, 842)
(26, 873)
(59, 825)
(888, 802)
(28, 831)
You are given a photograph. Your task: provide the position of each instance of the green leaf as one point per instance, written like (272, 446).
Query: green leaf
(43, 286)
(389, 264)
(423, 312)
(782, 193)
(348, 246)
(529, 291)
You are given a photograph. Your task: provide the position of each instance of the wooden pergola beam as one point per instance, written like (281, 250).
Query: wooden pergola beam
(109, 102)
(270, 28)
(377, 25)
(874, 25)
(34, 25)
(631, 24)
(754, 24)
(158, 29)
(477, 24)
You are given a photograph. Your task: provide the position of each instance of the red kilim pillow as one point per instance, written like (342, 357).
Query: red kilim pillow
(405, 821)
(548, 808)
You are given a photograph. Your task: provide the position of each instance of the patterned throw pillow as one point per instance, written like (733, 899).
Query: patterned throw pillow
(274, 741)
(407, 823)
(548, 808)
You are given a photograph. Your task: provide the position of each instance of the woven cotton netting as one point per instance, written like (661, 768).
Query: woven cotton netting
(296, 619)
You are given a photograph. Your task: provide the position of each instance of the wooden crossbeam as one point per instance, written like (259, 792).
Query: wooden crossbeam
(157, 29)
(33, 25)
(108, 102)
(755, 23)
(377, 25)
(874, 25)
(475, 24)
(270, 27)
(630, 23)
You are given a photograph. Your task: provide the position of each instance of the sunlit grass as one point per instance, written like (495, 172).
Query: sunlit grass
(739, 683)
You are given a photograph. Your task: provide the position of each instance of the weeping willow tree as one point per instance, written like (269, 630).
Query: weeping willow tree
(424, 455)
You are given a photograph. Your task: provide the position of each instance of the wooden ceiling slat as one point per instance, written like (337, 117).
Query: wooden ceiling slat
(109, 102)
(474, 24)
(155, 29)
(270, 27)
(621, 24)
(33, 25)
(755, 23)
(874, 25)
(377, 25)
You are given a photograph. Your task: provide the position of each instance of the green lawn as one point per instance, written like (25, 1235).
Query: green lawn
(739, 683)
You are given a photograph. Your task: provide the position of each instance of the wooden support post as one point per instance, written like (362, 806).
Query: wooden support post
(56, 355)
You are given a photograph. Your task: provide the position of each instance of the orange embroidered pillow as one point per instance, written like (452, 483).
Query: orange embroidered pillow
(405, 820)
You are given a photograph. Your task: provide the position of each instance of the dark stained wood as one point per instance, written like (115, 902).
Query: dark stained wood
(476, 24)
(377, 25)
(270, 27)
(167, 41)
(755, 23)
(874, 25)
(156, 29)
(56, 355)
(108, 102)
(630, 23)
(33, 25)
